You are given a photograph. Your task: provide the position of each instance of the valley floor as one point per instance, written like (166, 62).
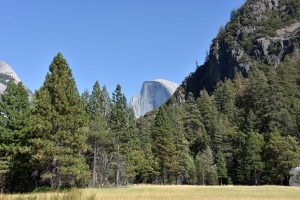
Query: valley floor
(146, 192)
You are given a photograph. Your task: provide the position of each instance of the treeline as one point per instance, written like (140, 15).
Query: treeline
(64, 139)
(245, 132)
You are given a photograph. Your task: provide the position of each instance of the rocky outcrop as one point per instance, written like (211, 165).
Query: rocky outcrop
(153, 94)
(7, 74)
(295, 176)
(261, 30)
(273, 49)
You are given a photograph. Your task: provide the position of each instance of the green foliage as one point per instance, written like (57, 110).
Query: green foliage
(163, 146)
(184, 163)
(225, 99)
(194, 129)
(97, 134)
(221, 167)
(281, 154)
(206, 171)
(251, 165)
(15, 149)
(42, 189)
(241, 131)
(125, 139)
(60, 119)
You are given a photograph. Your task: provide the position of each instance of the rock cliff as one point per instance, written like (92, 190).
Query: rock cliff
(6, 74)
(263, 31)
(153, 94)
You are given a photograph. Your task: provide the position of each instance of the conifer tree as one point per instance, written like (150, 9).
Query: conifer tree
(208, 112)
(97, 129)
(255, 98)
(281, 154)
(194, 129)
(60, 118)
(106, 103)
(205, 168)
(221, 167)
(225, 99)
(184, 164)
(123, 129)
(163, 146)
(147, 166)
(251, 163)
(15, 138)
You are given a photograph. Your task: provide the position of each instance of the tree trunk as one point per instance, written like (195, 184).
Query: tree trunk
(54, 175)
(94, 167)
(255, 176)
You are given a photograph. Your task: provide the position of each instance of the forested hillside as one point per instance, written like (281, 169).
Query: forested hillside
(235, 120)
(240, 109)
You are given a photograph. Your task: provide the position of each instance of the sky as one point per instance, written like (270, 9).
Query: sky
(112, 41)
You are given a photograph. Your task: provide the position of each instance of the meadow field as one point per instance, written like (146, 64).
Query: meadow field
(145, 192)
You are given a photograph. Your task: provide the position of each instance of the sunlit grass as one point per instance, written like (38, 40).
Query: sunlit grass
(145, 192)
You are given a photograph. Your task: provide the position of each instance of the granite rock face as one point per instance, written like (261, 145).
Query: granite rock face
(7, 74)
(153, 94)
(273, 49)
(249, 37)
(295, 176)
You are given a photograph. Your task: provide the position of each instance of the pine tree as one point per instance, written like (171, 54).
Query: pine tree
(15, 138)
(146, 169)
(281, 154)
(205, 169)
(124, 133)
(194, 129)
(276, 107)
(225, 99)
(184, 165)
(60, 118)
(221, 167)
(106, 103)
(252, 164)
(97, 128)
(208, 112)
(163, 146)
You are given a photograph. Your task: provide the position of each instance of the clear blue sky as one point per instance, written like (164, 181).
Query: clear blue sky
(112, 41)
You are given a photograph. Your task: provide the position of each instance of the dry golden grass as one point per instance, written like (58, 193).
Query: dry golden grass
(144, 192)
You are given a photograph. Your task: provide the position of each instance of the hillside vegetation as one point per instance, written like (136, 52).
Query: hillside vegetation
(235, 120)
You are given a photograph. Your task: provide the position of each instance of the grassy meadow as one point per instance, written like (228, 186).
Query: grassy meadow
(145, 192)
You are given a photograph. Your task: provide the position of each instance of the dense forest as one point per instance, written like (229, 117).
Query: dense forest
(243, 130)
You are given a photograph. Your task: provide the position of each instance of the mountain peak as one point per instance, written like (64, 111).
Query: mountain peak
(7, 73)
(6, 69)
(153, 94)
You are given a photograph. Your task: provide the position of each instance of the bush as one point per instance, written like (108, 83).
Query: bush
(42, 189)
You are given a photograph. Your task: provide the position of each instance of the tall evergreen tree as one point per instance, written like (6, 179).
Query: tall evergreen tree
(208, 112)
(205, 168)
(184, 164)
(225, 99)
(60, 117)
(15, 149)
(194, 129)
(251, 163)
(123, 130)
(106, 103)
(97, 128)
(281, 154)
(147, 166)
(163, 146)
(221, 167)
